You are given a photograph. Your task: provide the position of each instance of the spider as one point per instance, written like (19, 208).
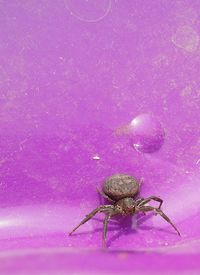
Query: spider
(121, 189)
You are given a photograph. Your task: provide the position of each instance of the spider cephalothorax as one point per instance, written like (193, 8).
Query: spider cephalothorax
(121, 190)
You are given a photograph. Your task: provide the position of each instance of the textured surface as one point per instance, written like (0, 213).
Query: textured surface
(120, 186)
(89, 89)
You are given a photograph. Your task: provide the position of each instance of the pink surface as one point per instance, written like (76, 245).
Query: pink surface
(89, 89)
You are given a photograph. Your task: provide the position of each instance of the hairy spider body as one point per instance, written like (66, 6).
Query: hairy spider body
(126, 206)
(121, 186)
(121, 190)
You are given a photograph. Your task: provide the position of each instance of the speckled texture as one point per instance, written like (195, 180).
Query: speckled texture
(73, 76)
(120, 186)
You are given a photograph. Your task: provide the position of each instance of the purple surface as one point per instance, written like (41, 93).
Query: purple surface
(74, 75)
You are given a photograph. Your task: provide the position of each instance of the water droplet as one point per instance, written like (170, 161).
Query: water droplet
(96, 157)
(186, 38)
(89, 10)
(146, 133)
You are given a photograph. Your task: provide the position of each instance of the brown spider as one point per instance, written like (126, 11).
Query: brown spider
(121, 189)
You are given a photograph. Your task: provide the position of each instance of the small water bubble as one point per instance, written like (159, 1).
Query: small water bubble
(146, 133)
(89, 10)
(96, 157)
(186, 38)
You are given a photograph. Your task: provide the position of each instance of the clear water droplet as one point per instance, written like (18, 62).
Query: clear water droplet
(89, 10)
(146, 133)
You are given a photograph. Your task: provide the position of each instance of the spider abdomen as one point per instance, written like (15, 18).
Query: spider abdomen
(120, 186)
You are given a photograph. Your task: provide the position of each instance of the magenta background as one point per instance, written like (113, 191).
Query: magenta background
(72, 73)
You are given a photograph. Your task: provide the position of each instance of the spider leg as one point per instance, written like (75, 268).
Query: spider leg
(103, 208)
(105, 227)
(141, 181)
(104, 195)
(160, 212)
(144, 201)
